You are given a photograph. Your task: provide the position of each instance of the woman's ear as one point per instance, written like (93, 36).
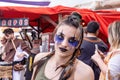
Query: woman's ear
(97, 32)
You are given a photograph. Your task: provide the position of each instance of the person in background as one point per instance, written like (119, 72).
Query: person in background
(3, 41)
(35, 50)
(62, 63)
(15, 51)
(85, 31)
(33, 35)
(110, 65)
(88, 46)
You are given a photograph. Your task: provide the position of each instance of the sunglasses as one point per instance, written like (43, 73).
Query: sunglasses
(59, 38)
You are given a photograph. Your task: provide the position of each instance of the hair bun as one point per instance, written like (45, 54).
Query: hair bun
(75, 18)
(76, 14)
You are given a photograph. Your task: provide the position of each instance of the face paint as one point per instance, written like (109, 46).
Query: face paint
(73, 42)
(59, 38)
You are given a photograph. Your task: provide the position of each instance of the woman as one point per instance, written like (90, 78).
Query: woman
(110, 67)
(62, 63)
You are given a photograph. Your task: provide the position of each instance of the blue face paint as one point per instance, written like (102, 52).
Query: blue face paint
(71, 41)
(59, 38)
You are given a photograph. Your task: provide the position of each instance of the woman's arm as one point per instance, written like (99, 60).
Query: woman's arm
(114, 67)
(83, 72)
(99, 61)
(89, 75)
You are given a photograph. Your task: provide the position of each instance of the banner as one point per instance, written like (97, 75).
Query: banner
(27, 3)
(14, 22)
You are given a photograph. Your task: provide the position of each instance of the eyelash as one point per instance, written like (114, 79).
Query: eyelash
(71, 41)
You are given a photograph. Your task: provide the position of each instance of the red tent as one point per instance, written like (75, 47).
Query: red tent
(47, 17)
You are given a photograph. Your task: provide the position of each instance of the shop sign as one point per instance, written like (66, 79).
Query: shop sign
(14, 22)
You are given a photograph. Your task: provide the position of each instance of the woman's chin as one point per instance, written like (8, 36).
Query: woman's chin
(63, 54)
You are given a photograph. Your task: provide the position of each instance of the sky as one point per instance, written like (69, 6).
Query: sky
(69, 3)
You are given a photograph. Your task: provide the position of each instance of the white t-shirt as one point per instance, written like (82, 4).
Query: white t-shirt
(18, 52)
(114, 67)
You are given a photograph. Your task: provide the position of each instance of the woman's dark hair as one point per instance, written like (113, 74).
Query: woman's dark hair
(72, 20)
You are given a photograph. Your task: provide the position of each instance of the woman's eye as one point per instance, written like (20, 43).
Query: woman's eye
(59, 38)
(72, 40)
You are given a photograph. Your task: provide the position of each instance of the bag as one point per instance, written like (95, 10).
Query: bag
(18, 67)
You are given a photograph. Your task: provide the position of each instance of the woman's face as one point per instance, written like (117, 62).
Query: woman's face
(66, 40)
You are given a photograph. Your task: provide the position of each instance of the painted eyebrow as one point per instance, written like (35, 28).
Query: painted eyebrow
(74, 37)
(61, 33)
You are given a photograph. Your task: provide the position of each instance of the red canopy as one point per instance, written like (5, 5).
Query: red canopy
(35, 13)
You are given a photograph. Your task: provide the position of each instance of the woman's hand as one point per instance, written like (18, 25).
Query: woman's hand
(97, 56)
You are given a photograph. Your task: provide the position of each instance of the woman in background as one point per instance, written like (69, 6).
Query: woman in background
(110, 66)
(3, 41)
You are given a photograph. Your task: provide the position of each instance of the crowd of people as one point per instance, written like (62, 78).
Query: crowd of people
(78, 54)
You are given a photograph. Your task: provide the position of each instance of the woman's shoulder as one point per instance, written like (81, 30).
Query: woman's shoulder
(114, 66)
(115, 61)
(82, 66)
(84, 70)
(41, 55)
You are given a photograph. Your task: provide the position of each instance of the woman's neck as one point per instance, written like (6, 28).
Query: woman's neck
(60, 60)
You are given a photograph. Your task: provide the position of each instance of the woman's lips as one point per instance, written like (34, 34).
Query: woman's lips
(63, 49)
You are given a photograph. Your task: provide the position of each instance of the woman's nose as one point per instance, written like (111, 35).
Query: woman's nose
(65, 43)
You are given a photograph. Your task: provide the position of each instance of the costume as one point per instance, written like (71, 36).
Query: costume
(87, 50)
(40, 75)
(10, 50)
(112, 60)
(12, 54)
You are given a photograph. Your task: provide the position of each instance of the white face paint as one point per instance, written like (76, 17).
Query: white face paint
(66, 39)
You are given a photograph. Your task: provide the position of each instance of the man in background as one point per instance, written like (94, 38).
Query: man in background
(35, 50)
(88, 46)
(15, 51)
